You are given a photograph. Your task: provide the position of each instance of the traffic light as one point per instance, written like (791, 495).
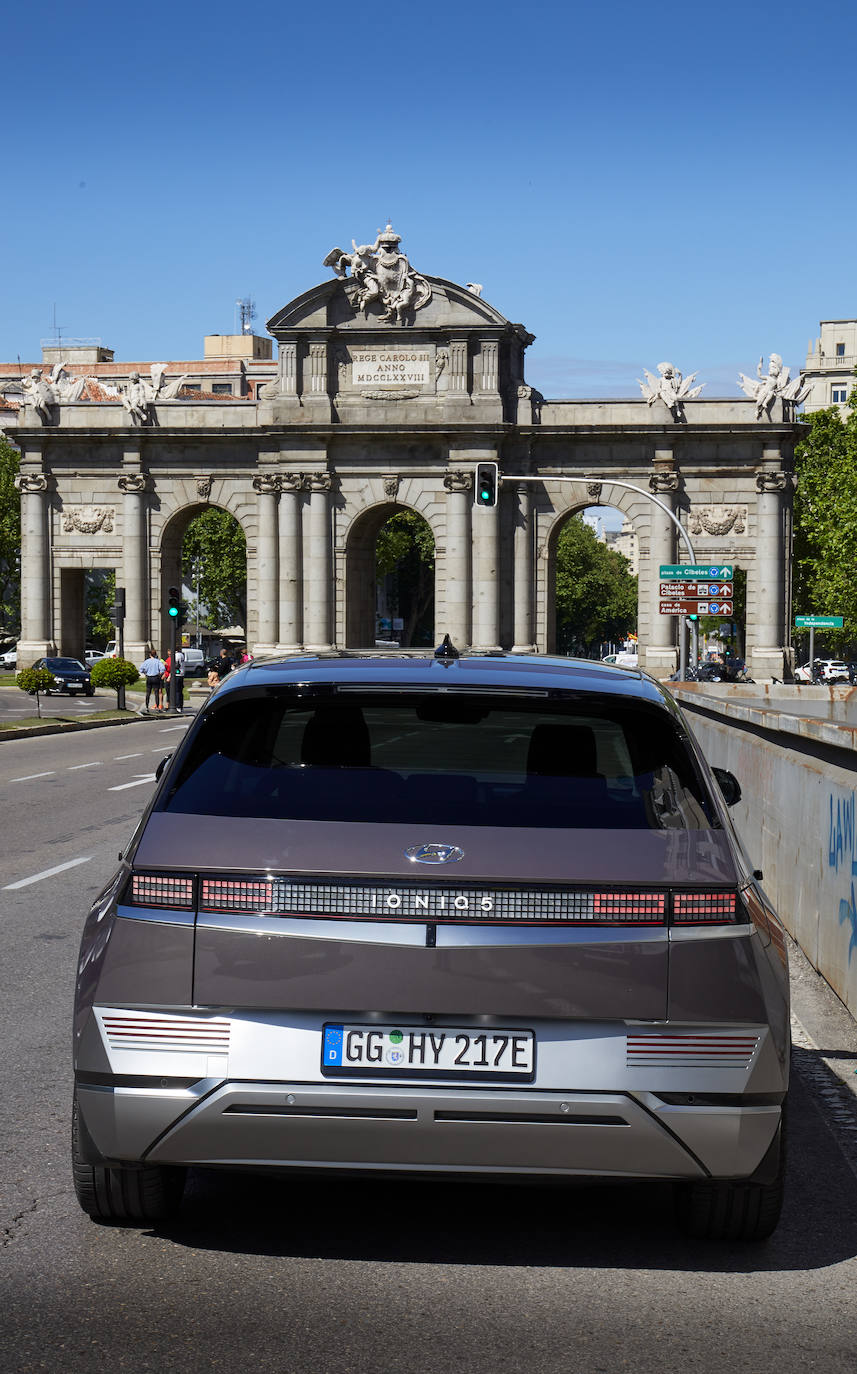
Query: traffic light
(117, 610)
(174, 608)
(487, 477)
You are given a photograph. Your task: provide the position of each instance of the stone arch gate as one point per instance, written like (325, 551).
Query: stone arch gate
(369, 414)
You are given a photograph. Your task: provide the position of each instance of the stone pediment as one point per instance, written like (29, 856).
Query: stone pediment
(334, 305)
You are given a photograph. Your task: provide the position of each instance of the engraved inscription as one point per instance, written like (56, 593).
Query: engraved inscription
(389, 367)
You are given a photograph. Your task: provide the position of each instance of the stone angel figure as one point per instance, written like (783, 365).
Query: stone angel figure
(767, 389)
(671, 388)
(67, 388)
(39, 393)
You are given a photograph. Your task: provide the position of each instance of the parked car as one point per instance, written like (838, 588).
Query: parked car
(70, 675)
(194, 662)
(804, 673)
(9, 660)
(92, 656)
(112, 649)
(461, 916)
(622, 660)
(834, 670)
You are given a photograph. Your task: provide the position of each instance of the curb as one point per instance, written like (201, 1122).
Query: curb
(69, 727)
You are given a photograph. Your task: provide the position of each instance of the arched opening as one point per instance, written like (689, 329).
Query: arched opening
(592, 590)
(390, 579)
(204, 553)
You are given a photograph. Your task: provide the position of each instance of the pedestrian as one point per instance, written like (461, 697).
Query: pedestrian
(174, 670)
(152, 669)
(218, 668)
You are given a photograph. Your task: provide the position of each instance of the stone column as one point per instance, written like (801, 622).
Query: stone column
(135, 569)
(523, 556)
(659, 654)
(36, 637)
(267, 566)
(318, 563)
(291, 580)
(459, 486)
(458, 366)
(766, 600)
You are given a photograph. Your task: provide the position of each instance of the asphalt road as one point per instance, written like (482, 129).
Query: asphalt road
(266, 1274)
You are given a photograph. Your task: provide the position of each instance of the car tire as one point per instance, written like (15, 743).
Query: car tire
(90, 692)
(727, 1209)
(122, 1193)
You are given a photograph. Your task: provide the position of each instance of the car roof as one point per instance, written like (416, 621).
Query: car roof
(490, 671)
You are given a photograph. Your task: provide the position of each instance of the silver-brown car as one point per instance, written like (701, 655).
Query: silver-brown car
(457, 916)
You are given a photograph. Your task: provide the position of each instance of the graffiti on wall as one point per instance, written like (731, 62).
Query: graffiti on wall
(842, 855)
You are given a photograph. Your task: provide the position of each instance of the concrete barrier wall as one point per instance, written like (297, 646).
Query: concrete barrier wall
(796, 819)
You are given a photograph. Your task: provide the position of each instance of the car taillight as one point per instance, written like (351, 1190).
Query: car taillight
(156, 889)
(705, 908)
(228, 894)
(629, 906)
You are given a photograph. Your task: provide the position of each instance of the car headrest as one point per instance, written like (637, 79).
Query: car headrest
(559, 751)
(336, 737)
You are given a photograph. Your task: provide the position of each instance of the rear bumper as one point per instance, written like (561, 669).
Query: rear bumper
(324, 1126)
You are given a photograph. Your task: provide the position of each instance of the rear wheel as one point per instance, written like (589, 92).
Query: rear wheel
(116, 1192)
(727, 1209)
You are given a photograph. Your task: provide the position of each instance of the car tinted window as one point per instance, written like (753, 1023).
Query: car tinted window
(441, 759)
(64, 665)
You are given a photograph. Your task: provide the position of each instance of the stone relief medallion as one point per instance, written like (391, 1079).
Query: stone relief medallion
(391, 486)
(203, 487)
(88, 519)
(718, 520)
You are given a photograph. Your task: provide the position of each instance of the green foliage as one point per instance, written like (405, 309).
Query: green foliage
(214, 545)
(825, 514)
(10, 538)
(113, 672)
(404, 554)
(34, 681)
(100, 593)
(596, 592)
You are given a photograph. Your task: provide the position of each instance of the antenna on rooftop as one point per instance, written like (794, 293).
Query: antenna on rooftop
(56, 328)
(247, 313)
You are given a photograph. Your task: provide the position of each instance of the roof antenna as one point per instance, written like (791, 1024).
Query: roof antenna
(446, 649)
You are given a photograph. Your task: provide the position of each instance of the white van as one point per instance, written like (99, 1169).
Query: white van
(194, 662)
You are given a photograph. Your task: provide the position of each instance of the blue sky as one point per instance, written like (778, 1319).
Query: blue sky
(633, 182)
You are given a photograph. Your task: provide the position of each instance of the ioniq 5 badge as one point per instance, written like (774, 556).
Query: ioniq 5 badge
(434, 854)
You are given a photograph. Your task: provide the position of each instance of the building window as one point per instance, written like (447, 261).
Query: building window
(222, 388)
(840, 393)
(840, 350)
(191, 386)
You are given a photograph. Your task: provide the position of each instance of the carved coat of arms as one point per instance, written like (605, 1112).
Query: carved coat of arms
(381, 276)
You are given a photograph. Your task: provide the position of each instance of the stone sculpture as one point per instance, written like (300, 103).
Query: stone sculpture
(66, 388)
(771, 387)
(39, 394)
(137, 396)
(671, 388)
(381, 275)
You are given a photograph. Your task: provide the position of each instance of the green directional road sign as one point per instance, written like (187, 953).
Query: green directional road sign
(696, 571)
(819, 622)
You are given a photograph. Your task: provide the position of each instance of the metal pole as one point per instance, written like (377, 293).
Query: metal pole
(811, 650)
(120, 695)
(694, 639)
(172, 682)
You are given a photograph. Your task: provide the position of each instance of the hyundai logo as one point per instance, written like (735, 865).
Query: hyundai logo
(434, 854)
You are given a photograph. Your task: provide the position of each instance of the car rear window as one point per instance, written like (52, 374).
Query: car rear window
(446, 758)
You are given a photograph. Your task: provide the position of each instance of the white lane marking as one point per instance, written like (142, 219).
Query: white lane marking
(29, 776)
(72, 768)
(158, 751)
(141, 778)
(48, 873)
(169, 729)
(117, 757)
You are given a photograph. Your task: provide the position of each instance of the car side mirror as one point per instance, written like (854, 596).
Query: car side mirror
(165, 760)
(729, 785)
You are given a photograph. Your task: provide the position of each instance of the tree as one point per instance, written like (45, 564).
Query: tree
(215, 548)
(33, 681)
(115, 673)
(10, 539)
(596, 592)
(825, 516)
(404, 554)
(100, 595)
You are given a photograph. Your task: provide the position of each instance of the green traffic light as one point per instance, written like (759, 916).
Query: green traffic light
(174, 610)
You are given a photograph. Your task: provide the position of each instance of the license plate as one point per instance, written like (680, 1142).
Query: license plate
(438, 1052)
